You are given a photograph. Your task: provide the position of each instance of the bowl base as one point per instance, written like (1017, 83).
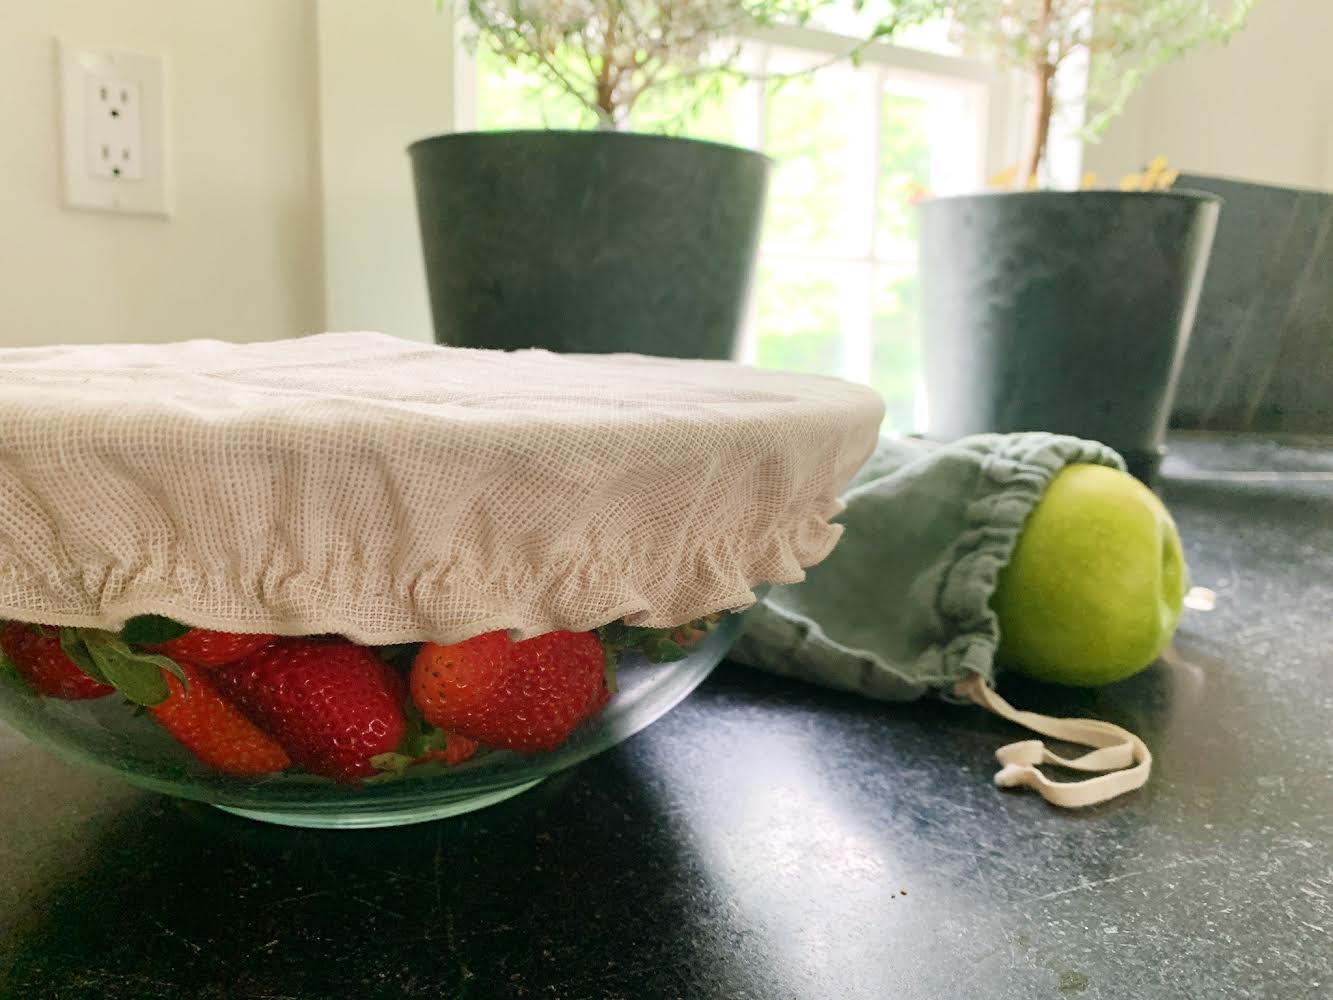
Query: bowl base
(401, 816)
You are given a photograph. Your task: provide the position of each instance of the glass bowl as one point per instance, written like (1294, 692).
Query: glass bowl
(107, 733)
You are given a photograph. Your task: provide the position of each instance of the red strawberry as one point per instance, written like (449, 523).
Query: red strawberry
(204, 648)
(43, 664)
(330, 704)
(456, 750)
(523, 696)
(214, 730)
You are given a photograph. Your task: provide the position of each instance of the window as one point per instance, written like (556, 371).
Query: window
(835, 290)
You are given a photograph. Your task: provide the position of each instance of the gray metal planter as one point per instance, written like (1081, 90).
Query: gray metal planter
(1061, 311)
(588, 241)
(1261, 358)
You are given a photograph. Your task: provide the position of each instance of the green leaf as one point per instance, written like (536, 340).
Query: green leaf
(72, 642)
(663, 651)
(150, 659)
(614, 634)
(392, 762)
(419, 736)
(142, 686)
(151, 630)
(399, 655)
(414, 771)
(138, 676)
(610, 661)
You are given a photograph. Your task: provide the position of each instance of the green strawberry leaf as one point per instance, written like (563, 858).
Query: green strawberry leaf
(662, 650)
(392, 762)
(143, 686)
(614, 634)
(154, 659)
(657, 645)
(151, 630)
(138, 676)
(76, 648)
(410, 772)
(708, 624)
(399, 655)
(419, 736)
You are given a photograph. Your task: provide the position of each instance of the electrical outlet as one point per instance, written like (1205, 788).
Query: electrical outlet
(113, 123)
(115, 133)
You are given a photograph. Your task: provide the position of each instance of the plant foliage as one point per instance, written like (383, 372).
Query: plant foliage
(608, 53)
(1124, 41)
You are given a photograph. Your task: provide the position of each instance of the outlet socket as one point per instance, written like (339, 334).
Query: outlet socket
(113, 124)
(115, 133)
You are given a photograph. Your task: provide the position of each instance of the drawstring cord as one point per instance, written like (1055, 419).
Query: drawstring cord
(1121, 761)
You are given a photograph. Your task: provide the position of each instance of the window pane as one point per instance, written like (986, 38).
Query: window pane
(706, 109)
(796, 317)
(904, 171)
(817, 130)
(896, 356)
(510, 96)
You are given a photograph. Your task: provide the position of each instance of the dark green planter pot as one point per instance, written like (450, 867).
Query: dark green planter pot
(1261, 358)
(1061, 311)
(590, 242)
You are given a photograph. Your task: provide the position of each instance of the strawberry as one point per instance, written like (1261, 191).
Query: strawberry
(330, 704)
(204, 648)
(43, 663)
(423, 743)
(456, 749)
(214, 730)
(525, 696)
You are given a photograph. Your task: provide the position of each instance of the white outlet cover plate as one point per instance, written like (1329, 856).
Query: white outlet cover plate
(132, 176)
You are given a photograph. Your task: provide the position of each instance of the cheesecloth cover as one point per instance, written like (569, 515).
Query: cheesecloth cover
(391, 491)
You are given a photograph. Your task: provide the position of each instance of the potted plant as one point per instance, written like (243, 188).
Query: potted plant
(600, 240)
(1068, 311)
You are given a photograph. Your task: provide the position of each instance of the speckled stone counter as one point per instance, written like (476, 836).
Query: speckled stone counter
(769, 840)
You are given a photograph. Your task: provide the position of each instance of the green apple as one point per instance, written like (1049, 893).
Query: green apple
(1096, 584)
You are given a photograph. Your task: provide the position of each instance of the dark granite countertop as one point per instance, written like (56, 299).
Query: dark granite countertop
(771, 840)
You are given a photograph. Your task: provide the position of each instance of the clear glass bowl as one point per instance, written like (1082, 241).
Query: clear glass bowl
(107, 734)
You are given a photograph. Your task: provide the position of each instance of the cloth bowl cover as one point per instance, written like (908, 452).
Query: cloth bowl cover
(393, 491)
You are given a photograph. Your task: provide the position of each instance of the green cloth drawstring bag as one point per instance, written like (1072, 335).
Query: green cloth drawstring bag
(901, 607)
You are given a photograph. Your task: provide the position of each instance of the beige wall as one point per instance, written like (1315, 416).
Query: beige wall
(1259, 109)
(239, 258)
(385, 79)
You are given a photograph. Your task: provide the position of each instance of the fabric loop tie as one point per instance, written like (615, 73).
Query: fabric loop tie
(1120, 760)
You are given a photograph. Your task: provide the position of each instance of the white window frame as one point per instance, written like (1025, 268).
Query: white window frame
(1000, 96)
(994, 105)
